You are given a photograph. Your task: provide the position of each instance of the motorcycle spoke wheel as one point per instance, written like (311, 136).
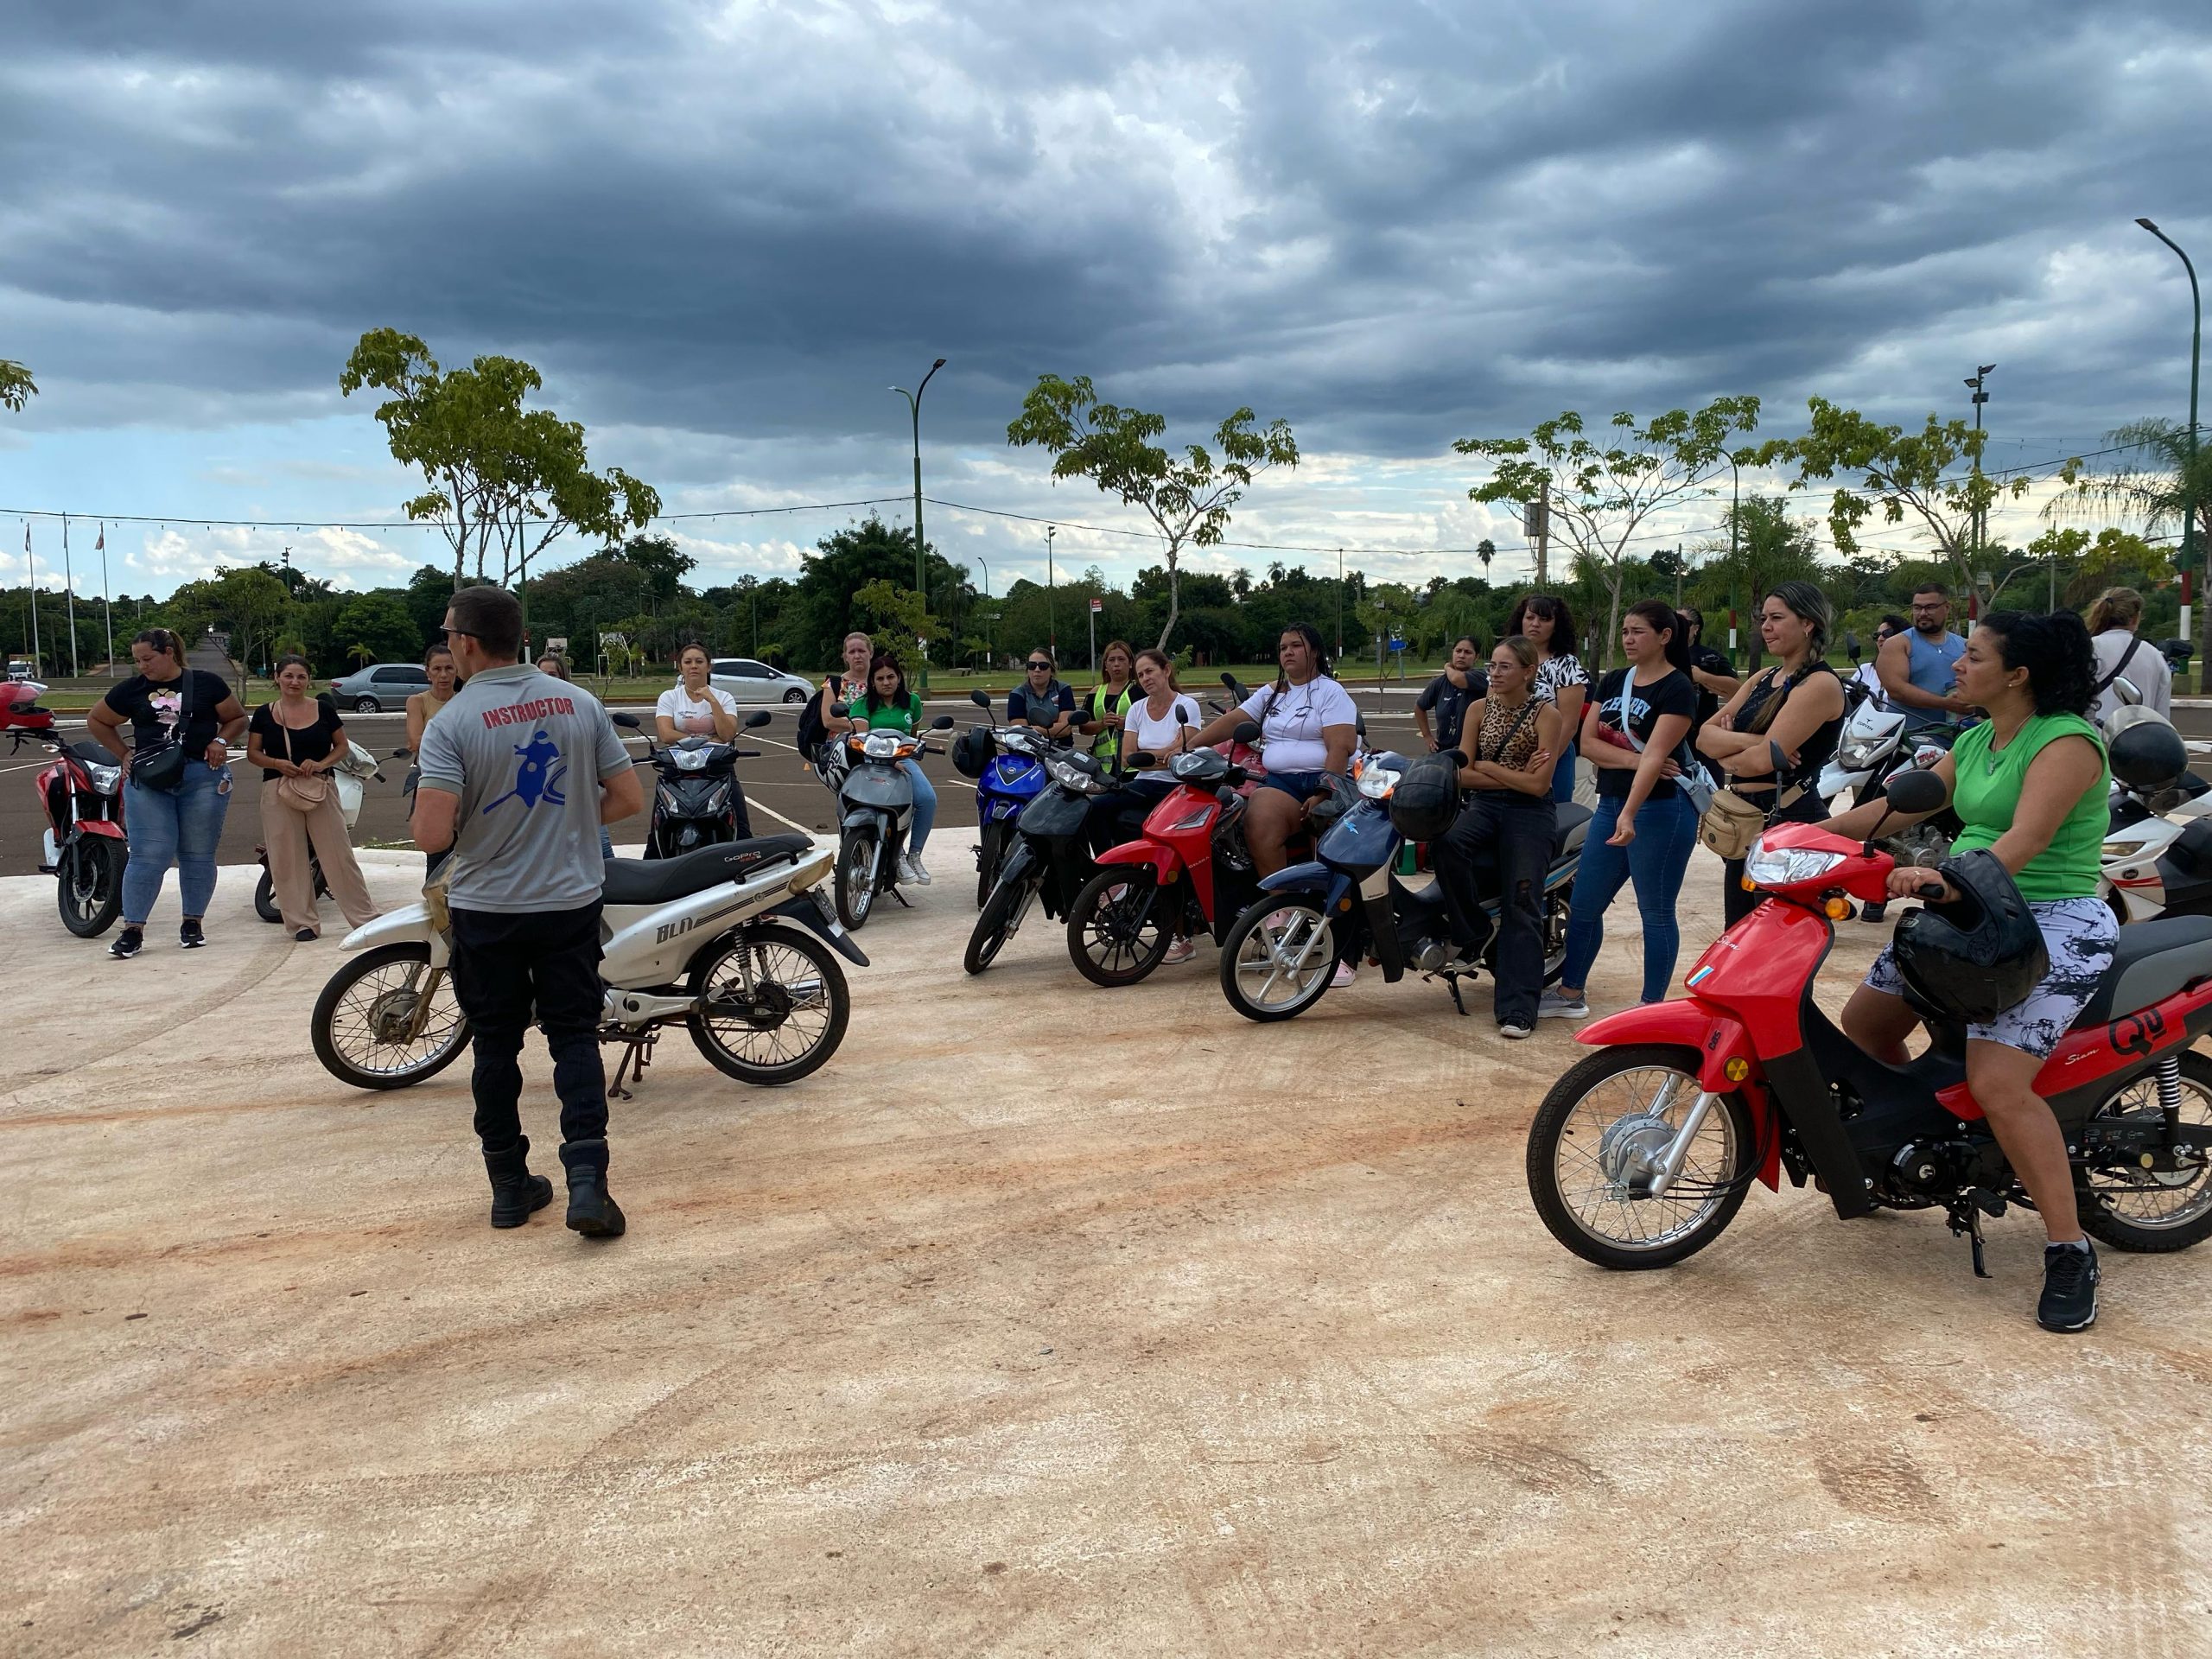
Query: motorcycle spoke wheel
(264, 899)
(90, 887)
(1002, 916)
(2152, 1211)
(1606, 1120)
(774, 1006)
(855, 883)
(1119, 927)
(1558, 902)
(1278, 959)
(989, 853)
(363, 1020)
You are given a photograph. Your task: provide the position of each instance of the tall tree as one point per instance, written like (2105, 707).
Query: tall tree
(500, 477)
(1769, 547)
(1186, 497)
(1906, 476)
(1601, 496)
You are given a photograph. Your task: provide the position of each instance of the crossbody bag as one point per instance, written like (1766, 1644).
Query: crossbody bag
(1729, 823)
(162, 767)
(301, 794)
(1696, 787)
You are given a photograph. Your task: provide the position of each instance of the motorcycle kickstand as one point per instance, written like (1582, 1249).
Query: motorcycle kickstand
(1452, 984)
(636, 1056)
(1966, 1217)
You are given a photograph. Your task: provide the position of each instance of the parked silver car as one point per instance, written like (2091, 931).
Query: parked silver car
(379, 686)
(751, 682)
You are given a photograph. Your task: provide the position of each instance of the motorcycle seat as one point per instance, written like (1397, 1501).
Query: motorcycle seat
(656, 882)
(2150, 962)
(1571, 823)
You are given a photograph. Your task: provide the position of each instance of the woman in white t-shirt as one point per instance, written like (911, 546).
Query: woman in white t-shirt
(1161, 723)
(1307, 727)
(696, 707)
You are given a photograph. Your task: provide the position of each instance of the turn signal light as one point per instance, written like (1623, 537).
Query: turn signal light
(1838, 909)
(1749, 885)
(1737, 1070)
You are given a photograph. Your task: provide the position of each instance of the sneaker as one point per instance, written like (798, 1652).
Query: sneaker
(128, 943)
(1345, 976)
(915, 872)
(2069, 1287)
(1557, 1005)
(1181, 950)
(306, 935)
(190, 935)
(1873, 912)
(1513, 1029)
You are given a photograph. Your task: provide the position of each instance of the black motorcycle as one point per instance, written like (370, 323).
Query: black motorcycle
(697, 801)
(1051, 855)
(876, 809)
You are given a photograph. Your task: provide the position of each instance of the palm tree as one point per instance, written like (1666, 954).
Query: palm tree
(2153, 475)
(361, 654)
(1485, 550)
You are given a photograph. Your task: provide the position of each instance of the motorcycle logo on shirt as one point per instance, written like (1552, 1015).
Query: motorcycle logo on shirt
(538, 777)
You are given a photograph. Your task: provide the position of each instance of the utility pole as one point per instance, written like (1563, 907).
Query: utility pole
(1539, 527)
(1052, 616)
(30, 576)
(107, 599)
(69, 586)
(1980, 396)
(1678, 576)
(1339, 656)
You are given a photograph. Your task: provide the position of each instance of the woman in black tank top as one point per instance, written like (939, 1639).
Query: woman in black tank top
(1795, 706)
(1511, 739)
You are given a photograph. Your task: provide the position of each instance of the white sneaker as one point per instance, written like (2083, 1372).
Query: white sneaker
(1507, 1029)
(1346, 974)
(1555, 1005)
(910, 865)
(1181, 950)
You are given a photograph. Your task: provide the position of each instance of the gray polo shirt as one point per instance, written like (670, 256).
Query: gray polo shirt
(526, 754)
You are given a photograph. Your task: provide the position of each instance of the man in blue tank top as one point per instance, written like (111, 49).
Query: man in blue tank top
(1916, 667)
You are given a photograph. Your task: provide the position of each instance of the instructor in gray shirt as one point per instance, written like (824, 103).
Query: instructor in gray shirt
(519, 770)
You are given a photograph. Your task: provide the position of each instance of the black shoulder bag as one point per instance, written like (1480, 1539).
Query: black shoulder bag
(162, 768)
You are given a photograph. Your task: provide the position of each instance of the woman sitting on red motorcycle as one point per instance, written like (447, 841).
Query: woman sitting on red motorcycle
(2029, 784)
(1161, 723)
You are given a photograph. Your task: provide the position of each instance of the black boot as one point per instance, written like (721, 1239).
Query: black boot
(591, 1209)
(516, 1193)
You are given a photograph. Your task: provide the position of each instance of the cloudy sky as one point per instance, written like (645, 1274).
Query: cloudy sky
(722, 230)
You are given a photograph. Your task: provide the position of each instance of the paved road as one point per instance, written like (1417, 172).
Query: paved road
(783, 797)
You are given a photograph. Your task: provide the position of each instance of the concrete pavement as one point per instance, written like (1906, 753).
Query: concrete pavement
(1042, 1319)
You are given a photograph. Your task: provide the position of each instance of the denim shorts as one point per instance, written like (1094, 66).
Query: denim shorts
(2079, 935)
(1298, 786)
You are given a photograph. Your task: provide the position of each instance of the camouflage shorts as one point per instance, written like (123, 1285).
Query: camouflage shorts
(2079, 935)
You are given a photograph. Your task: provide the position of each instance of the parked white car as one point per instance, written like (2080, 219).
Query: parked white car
(751, 682)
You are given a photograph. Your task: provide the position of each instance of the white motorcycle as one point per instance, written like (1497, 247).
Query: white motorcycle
(2158, 850)
(735, 941)
(1873, 744)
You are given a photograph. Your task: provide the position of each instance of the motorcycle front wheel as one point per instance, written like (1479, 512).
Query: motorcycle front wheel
(366, 1022)
(1002, 915)
(1119, 929)
(855, 883)
(2152, 1212)
(90, 886)
(990, 851)
(1603, 1125)
(773, 1004)
(264, 897)
(1279, 957)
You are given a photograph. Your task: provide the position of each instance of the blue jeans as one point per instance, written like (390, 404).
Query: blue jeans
(1563, 776)
(181, 829)
(1655, 860)
(925, 806)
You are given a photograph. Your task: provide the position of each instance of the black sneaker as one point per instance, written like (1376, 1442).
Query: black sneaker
(190, 935)
(128, 943)
(2069, 1287)
(1873, 912)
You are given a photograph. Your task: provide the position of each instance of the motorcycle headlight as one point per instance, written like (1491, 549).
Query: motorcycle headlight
(1857, 757)
(882, 746)
(2122, 849)
(105, 780)
(1786, 867)
(689, 760)
(1376, 783)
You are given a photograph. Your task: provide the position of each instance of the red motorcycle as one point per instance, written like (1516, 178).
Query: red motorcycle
(1642, 1153)
(82, 795)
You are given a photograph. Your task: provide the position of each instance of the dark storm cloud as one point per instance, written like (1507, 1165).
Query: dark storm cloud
(1393, 223)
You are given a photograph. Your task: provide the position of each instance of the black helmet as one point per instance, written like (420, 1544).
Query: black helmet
(1971, 960)
(971, 752)
(1427, 798)
(2148, 754)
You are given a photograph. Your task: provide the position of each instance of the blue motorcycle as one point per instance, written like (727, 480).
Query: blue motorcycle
(1006, 781)
(1279, 956)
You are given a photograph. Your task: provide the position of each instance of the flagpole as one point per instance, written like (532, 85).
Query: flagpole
(107, 599)
(69, 588)
(30, 568)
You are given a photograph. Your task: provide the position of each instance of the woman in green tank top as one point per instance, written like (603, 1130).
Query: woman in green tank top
(2031, 785)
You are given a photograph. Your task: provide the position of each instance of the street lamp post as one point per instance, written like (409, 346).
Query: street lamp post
(2188, 474)
(1975, 384)
(1051, 615)
(914, 408)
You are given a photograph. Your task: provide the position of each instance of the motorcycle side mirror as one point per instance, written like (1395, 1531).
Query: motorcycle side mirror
(1246, 732)
(756, 719)
(2125, 689)
(1359, 726)
(1182, 715)
(1144, 758)
(980, 697)
(838, 710)
(941, 723)
(1851, 646)
(1917, 791)
(624, 717)
(402, 754)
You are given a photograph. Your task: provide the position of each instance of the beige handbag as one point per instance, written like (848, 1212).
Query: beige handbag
(301, 794)
(1731, 823)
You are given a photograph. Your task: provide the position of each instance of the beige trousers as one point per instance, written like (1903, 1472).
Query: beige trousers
(285, 833)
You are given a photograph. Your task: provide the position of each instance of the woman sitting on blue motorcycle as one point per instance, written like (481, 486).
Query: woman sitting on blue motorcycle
(2031, 785)
(889, 706)
(1510, 740)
